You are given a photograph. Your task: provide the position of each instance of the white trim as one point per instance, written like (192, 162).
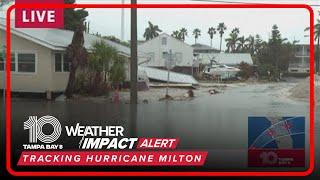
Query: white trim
(32, 39)
(62, 62)
(57, 47)
(15, 64)
(16, 72)
(168, 36)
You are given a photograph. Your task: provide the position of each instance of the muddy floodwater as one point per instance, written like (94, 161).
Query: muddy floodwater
(217, 123)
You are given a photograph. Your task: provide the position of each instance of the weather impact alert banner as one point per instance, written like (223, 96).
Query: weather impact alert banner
(272, 142)
(97, 139)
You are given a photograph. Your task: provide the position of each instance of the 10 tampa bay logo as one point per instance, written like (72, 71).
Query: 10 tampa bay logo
(38, 139)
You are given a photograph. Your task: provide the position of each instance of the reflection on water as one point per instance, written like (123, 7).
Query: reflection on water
(215, 123)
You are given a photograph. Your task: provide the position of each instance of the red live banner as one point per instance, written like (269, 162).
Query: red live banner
(112, 158)
(39, 17)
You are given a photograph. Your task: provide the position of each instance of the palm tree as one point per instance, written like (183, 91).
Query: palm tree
(232, 40)
(5, 2)
(235, 30)
(152, 31)
(100, 58)
(251, 41)
(241, 44)
(212, 31)
(196, 33)
(176, 34)
(118, 71)
(221, 28)
(183, 33)
(259, 44)
(317, 39)
(77, 55)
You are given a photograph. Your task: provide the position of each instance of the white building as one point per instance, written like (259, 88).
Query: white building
(230, 59)
(156, 52)
(38, 62)
(300, 64)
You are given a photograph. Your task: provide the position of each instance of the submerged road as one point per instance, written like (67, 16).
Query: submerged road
(217, 123)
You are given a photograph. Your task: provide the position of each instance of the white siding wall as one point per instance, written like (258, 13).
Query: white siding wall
(155, 48)
(45, 78)
(40, 81)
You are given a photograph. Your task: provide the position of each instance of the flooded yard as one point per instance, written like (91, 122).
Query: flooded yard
(217, 123)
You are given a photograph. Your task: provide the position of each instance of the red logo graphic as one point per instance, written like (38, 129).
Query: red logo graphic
(39, 17)
(276, 158)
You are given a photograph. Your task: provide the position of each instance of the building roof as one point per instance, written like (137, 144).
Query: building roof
(199, 46)
(162, 35)
(227, 58)
(162, 75)
(59, 39)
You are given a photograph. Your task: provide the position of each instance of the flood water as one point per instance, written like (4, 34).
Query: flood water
(216, 123)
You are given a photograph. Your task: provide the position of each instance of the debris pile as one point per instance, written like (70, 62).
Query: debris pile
(302, 89)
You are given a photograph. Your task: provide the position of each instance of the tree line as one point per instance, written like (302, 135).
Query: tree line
(94, 72)
(271, 56)
(153, 31)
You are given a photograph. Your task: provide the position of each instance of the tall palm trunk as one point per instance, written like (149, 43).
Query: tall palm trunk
(220, 42)
(77, 54)
(211, 43)
(71, 83)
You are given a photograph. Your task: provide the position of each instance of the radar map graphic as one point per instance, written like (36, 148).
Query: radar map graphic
(276, 141)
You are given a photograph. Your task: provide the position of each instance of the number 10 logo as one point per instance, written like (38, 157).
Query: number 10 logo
(35, 126)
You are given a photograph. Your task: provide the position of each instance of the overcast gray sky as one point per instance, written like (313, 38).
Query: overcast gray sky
(291, 22)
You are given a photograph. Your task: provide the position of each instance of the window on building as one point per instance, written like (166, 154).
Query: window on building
(61, 63)
(305, 61)
(178, 57)
(58, 62)
(13, 63)
(66, 64)
(26, 62)
(165, 55)
(164, 41)
(1, 63)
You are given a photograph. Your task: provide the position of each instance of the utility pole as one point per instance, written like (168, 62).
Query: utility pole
(122, 22)
(169, 66)
(134, 56)
(167, 89)
(192, 66)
